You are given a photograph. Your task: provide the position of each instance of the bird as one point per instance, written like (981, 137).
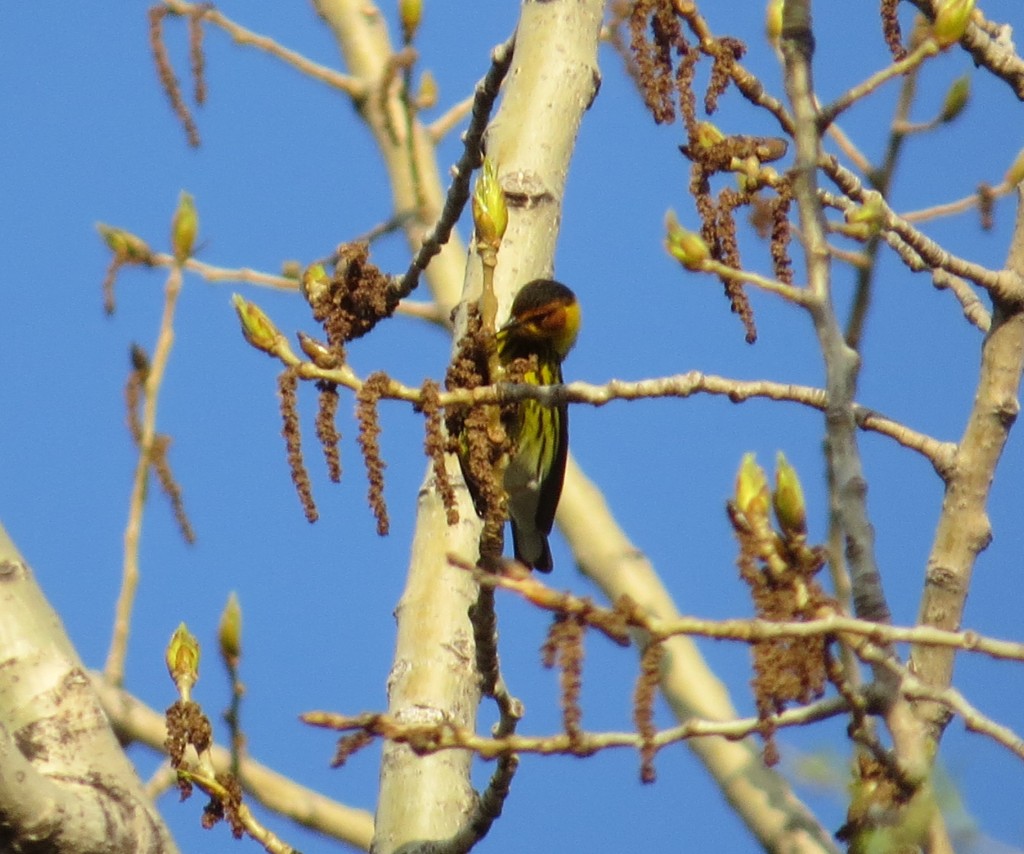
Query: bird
(542, 327)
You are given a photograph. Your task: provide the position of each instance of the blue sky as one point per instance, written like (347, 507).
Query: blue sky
(286, 172)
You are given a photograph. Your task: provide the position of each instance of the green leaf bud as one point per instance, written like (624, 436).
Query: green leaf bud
(184, 228)
(687, 247)
(951, 20)
(490, 213)
(229, 631)
(183, 660)
(956, 98)
(258, 329)
(788, 499)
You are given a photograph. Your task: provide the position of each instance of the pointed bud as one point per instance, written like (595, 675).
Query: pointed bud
(770, 148)
(748, 173)
(410, 12)
(1015, 174)
(314, 283)
(870, 214)
(490, 214)
(706, 135)
(126, 246)
(319, 353)
(427, 96)
(229, 631)
(687, 247)
(773, 21)
(951, 20)
(258, 329)
(139, 359)
(752, 495)
(184, 228)
(956, 99)
(788, 499)
(183, 660)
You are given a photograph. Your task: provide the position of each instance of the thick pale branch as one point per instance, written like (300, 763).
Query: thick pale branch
(407, 148)
(428, 800)
(67, 785)
(964, 529)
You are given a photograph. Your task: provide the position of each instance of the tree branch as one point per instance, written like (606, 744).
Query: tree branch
(352, 87)
(66, 785)
(841, 362)
(154, 375)
(429, 739)
(995, 54)
(616, 622)
(964, 530)
(939, 453)
(1003, 285)
(133, 721)
(761, 798)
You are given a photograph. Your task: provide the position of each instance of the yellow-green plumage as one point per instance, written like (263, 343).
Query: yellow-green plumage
(543, 323)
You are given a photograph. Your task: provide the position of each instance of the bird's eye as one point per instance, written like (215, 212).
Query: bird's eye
(553, 319)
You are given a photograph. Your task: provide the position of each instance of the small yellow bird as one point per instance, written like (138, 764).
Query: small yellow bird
(543, 323)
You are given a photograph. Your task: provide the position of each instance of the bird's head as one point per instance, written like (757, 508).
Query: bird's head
(545, 314)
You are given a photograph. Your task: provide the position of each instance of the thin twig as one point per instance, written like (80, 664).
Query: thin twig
(849, 148)
(914, 688)
(795, 295)
(748, 84)
(615, 622)
(246, 275)
(241, 816)
(939, 453)
(443, 125)
(828, 113)
(472, 156)
(114, 668)
(996, 55)
(955, 207)
(135, 722)
(974, 309)
(1004, 285)
(881, 179)
(841, 362)
(342, 82)
(431, 738)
